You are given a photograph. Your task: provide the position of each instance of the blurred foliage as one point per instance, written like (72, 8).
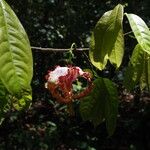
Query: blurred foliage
(46, 125)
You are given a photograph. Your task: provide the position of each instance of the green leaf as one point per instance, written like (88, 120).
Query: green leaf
(117, 52)
(145, 77)
(3, 96)
(101, 104)
(138, 70)
(135, 68)
(7, 100)
(15, 52)
(111, 106)
(107, 39)
(3, 101)
(141, 31)
(3, 92)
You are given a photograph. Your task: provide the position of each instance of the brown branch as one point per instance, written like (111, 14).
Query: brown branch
(67, 49)
(58, 49)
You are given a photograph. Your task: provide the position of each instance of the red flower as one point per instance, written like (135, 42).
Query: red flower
(60, 80)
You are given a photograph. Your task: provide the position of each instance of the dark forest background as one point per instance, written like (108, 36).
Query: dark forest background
(46, 125)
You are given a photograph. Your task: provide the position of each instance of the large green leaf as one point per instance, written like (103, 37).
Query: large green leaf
(107, 39)
(101, 104)
(135, 68)
(141, 31)
(15, 52)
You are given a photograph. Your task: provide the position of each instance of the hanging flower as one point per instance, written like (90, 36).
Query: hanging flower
(60, 80)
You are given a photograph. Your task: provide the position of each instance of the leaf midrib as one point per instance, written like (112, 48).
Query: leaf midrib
(113, 22)
(139, 34)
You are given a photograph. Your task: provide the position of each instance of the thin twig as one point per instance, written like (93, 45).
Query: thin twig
(58, 49)
(128, 33)
(67, 49)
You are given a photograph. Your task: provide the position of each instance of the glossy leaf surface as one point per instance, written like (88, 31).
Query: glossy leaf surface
(141, 31)
(15, 52)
